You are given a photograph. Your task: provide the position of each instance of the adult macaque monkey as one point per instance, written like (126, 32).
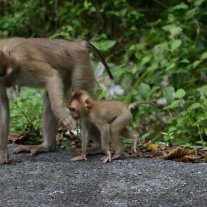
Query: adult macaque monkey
(110, 117)
(53, 64)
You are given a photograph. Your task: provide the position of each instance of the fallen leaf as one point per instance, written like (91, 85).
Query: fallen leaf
(153, 147)
(178, 153)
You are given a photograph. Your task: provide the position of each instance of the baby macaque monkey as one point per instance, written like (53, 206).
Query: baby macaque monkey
(110, 117)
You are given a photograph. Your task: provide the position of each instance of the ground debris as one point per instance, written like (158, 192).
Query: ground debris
(71, 139)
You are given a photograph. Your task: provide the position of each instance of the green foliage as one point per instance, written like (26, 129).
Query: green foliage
(25, 112)
(157, 49)
(190, 124)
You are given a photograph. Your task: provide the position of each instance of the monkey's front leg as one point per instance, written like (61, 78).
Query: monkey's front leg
(84, 142)
(4, 125)
(55, 90)
(105, 140)
(53, 109)
(95, 137)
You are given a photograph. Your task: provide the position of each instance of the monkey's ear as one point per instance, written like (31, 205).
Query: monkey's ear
(88, 101)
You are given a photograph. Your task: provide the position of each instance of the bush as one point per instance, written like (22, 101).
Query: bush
(26, 112)
(156, 49)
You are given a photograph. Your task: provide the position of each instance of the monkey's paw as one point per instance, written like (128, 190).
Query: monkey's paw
(79, 157)
(69, 123)
(4, 156)
(106, 159)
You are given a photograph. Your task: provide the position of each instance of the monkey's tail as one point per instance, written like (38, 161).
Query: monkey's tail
(98, 54)
(133, 105)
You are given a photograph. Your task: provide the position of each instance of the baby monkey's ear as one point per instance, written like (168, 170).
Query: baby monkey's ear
(87, 101)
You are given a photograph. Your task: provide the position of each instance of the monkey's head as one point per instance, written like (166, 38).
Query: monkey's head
(8, 67)
(80, 103)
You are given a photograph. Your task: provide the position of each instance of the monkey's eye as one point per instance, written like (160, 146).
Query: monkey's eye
(73, 109)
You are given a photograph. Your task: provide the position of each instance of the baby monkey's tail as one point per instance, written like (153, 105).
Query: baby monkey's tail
(133, 105)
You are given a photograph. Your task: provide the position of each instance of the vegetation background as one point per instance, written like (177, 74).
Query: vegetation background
(156, 50)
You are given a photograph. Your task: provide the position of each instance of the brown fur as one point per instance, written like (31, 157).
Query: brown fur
(54, 64)
(110, 117)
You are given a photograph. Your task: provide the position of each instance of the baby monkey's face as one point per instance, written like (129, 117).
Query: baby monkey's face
(77, 109)
(80, 104)
(74, 112)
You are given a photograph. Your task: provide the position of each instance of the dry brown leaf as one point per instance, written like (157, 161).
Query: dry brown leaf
(192, 157)
(178, 153)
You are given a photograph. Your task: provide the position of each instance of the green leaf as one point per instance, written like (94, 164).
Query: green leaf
(204, 56)
(191, 13)
(196, 63)
(198, 2)
(145, 60)
(170, 67)
(175, 44)
(175, 104)
(200, 118)
(144, 136)
(144, 90)
(168, 94)
(180, 93)
(181, 6)
(173, 29)
(194, 106)
(182, 120)
(104, 45)
(153, 66)
(185, 61)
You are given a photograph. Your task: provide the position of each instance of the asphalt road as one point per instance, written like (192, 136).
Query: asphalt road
(51, 179)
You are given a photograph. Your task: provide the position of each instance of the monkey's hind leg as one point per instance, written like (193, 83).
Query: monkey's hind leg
(116, 130)
(129, 133)
(49, 131)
